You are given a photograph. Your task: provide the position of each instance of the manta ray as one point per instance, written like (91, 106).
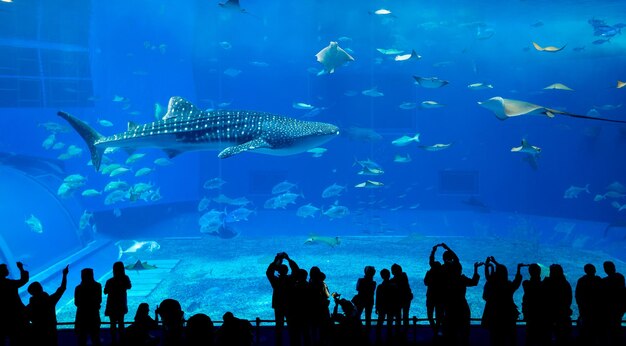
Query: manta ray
(550, 49)
(185, 127)
(139, 265)
(332, 57)
(506, 108)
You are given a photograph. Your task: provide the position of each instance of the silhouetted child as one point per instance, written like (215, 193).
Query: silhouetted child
(199, 331)
(13, 319)
(87, 298)
(364, 299)
(117, 301)
(41, 311)
(139, 332)
(614, 303)
(387, 305)
(171, 314)
(234, 332)
(500, 313)
(533, 303)
(435, 284)
(589, 299)
(349, 329)
(558, 301)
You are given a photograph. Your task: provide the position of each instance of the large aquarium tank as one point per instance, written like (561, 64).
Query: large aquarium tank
(194, 140)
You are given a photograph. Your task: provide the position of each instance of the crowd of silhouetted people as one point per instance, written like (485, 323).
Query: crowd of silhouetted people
(302, 301)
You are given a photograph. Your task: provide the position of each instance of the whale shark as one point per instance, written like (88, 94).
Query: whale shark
(185, 127)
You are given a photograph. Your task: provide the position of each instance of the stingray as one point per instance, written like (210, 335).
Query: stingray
(506, 108)
(526, 148)
(550, 49)
(233, 5)
(140, 266)
(620, 84)
(332, 57)
(430, 82)
(558, 86)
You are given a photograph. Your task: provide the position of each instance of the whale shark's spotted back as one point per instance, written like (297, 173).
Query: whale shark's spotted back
(185, 127)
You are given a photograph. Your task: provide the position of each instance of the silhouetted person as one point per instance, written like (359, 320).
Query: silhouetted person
(319, 308)
(199, 331)
(533, 303)
(349, 329)
(614, 295)
(41, 311)
(558, 301)
(139, 332)
(171, 315)
(405, 295)
(588, 298)
(88, 299)
(234, 332)
(387, 305)
(456, 322)
(435, 284)
(117, 301)
(364, 299)
(298, 307)
(13, 320)
(280, 286)
(500, 313)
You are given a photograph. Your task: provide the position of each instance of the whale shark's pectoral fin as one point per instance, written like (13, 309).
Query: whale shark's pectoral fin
(251, 145)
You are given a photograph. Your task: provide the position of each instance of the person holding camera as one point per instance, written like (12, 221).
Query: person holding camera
(13, 320)
(277, 274)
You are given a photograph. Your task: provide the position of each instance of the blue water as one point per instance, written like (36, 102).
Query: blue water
(81, 56)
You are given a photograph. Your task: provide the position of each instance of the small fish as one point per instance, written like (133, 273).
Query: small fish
(407, 105)
(526, 148)
(390, 51)
(34, 224)
(333, 190)
(337, 211)
(143, 171)
(204, 204)
(225, 45)
(558, 86)
(330, 241)
(85, 220)
(49, 141)
(118, 98)
(479, 86)
(431, 104)
(162, 161)
(574, 191)
(58, 146)
(435, 147)
(147, 246)
(381, 12)
(550, 49)
(212, 184)
(307, 210)
(91, 193)
(369, 184)
(283, 187)
(405, 57)
(134, 157)
(317, 152)
(105, 123)
(430, 82)
(373, 92)
(406, 140)
(371, 171)
(402, 159)
(118, 171)
(232, 72)
(302, 105)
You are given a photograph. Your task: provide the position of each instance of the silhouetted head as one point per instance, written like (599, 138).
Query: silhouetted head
(396, 269)
(556, 271)
(143, 310)
(118, 269)
(314, 271)
(87, 275)
(590, 269)
(447, 256)
(385, 274)
(502, 273)
(436, 265)
(4, 270)
(282, 269)
(534, 270)
(228, 316)
(301, 274)
(199, 329)
(369, 271)
(171, 312)
(609, 267)
(35, 288)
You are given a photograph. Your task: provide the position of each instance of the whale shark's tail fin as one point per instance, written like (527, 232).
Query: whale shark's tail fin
(89, 135)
